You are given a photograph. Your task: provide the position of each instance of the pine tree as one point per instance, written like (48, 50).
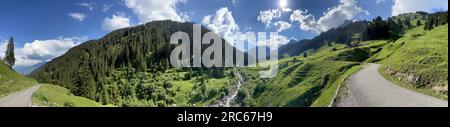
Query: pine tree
(85, 83)
(9, 55)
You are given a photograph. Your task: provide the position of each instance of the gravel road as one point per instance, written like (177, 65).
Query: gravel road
(19, 99)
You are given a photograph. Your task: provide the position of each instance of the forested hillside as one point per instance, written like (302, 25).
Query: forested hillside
(131, 67)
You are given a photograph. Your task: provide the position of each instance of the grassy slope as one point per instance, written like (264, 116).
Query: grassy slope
(56, 96)
(419, 55)
(11, 81)
(185, 90)
(311, 81)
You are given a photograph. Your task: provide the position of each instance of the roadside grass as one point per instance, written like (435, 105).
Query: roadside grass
(11, 81)
(410, 86)
(328, 95)
(297, 84)
(56, 96)
(312, 81)
(419, 60)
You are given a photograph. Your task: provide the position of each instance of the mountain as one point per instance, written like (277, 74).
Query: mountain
(122, 67)
(366, 30)
(339, 35)
(26, 70)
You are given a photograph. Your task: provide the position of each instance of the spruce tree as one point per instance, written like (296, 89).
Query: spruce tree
(9, 55)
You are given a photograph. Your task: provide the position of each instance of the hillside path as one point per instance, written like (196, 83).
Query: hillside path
(19, 99)
(370, 89)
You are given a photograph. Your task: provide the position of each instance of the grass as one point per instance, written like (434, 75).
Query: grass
(56, 96)
(305, 82)
(419, 60)
(303, 85)
(327, 96)
(11, 81)
(411, 86)
(185, 91)
(311, 81)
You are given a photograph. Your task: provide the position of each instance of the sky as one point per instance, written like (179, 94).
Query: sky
(45, 29)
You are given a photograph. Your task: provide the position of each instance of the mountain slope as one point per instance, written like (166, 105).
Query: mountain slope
(130, 67)
(365, 30)
(11, 81)
(56, 96)
(421, 59)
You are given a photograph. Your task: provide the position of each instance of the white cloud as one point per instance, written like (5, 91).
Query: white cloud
(405, 6)
(106, 7)
(267, 16)
(89, 6)
(44, 50)
(3, 45)
(275, 42)
(286, 9)
(334, 17)
(78, 16)
(151, 10)
(117, 21)
(222, 23)
(282, 25)
(380, 1)
(307, 21)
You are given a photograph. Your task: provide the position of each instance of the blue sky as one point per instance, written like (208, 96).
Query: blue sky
(44, 29)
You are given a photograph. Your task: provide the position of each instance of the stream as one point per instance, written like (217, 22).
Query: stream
(226, 101)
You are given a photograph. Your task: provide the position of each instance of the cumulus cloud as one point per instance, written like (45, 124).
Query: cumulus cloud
(334, 17)
(307, 21)
(405, 6)
(78, 16)
(222, 23)
(117, 21)
(282, 25)
(275, 42)
(3, 45)
(44, 50)
(89, 6)
(267, 16)
(151, 10)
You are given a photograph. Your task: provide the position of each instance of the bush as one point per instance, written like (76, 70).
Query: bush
(243, 93)
(213, 92)
(69, 104)
(167, 84)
